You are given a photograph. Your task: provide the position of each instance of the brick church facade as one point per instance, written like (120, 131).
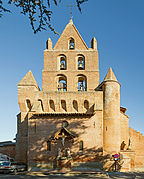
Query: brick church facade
(74, 121)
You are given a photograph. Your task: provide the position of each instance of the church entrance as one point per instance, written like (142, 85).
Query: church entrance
(64, 140)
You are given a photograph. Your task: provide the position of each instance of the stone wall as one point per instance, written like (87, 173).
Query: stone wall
(137, 141)
(124, 127)
(86, 128)
(9, 150)
(51, 68)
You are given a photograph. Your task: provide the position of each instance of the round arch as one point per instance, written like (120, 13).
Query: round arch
(80, 62)
(61, 82)
(62, 62)
(80, 82)
(71, 43)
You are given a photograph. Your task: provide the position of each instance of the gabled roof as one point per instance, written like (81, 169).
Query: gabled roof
(28, 80)
(70, 31)
(59, 134)
(110, 76)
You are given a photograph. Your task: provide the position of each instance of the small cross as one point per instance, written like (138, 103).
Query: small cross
(71, 6)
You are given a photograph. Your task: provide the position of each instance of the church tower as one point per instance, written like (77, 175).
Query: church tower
(70, 65)
(65, 118)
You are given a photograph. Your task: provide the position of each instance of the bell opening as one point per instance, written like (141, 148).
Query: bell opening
(71, 44)
(81, 63)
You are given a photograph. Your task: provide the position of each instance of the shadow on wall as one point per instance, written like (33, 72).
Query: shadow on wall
(111, 165)
(41, 152)
(41, 128)
(21, 139)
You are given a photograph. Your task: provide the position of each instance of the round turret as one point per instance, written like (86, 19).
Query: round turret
(111, 113)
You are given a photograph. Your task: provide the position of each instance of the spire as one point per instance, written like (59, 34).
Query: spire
(28, 80)
(49, 44)
(94, 43)
(71, 21)
(110, 76)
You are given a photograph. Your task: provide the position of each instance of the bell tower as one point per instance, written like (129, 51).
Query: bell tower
(70, 65)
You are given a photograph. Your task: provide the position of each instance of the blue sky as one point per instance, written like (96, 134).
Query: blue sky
(118, 26)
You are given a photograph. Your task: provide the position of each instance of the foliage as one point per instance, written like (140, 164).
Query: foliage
(2, 9)
(38, 12)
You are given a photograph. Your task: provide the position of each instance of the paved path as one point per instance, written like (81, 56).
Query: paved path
(132, 175)
(49, 177)
(75, 175)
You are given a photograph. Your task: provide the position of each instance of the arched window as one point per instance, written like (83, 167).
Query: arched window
(48, 145)
(63, 105)
(81, 145)
(81, 62)
(82, 83)
(62, 83)
(63, 62)
(75, 105)
(29, 106)
(52, 105)
(65, 124)
(41, 104)
(71, 43)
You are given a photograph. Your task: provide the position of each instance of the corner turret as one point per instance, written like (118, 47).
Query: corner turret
(111, 112)
(26, 93)
(25, 89)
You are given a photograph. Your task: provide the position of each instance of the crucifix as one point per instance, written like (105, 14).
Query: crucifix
(63, 139)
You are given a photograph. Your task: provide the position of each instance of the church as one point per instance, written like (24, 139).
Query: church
(75, 121)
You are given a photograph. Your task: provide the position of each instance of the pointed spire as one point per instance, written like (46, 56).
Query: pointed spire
(49, 44)
(110, 76)
(94, 43)
(71, 21)
(28, 80)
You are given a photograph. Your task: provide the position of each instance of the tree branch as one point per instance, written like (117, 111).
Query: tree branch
(38, 12)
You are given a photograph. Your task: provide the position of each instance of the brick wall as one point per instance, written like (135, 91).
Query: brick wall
(8, 150)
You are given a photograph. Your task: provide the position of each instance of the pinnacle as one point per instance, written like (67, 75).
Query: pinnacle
(110, 75)
(49, 39)
(71, 21)
(28, 80)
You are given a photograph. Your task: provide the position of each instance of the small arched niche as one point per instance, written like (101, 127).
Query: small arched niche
(71, 44)
(52, 105)
(63, 105)
(41, 103)
(123, 145)
(48, 145)
(81, 62)
(28, 104)
(75, 105)
(62, 83)
(81, 145)
(86, 104)
(82, 83)
(62, 62)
